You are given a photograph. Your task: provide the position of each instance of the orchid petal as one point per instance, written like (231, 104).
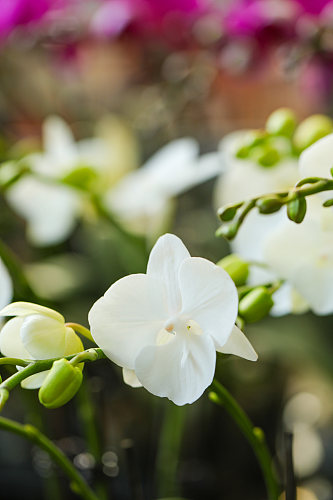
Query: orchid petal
(164, 263)
(59, 142)
(209, 297)
(43, 337)
(50, 209)
(6, 286)
(26, 308)
(316, 160)
(10, 340)
(239, 345)
(34, 381)
(128, 317)
(180, 370)
(130, 378)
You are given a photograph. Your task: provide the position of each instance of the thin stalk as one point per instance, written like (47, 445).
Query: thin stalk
(35, 436)
(254, 435)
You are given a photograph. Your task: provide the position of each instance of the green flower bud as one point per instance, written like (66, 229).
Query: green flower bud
(281, 122)
(61, 384)
(82, 178)
(296, 210)
(265, 155)
(256, 304)
(311, 130)
(228, 231)
(269, 205)
(227, 213)
(237, 268)
(250, 140)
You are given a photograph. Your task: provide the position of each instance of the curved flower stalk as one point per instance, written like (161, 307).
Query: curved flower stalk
(54, 194)
(143, 198)
(245, 178)
(164, 327)
(36, 333)
(6, 286)
(254, 181)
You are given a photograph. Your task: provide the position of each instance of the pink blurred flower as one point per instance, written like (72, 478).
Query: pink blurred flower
(14, 13)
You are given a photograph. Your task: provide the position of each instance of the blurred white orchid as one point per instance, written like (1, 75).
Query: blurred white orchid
(142, 199)
(6, 286)
(164, 327)
(317, 160)
(36, 332)
(243, 179)
(51, 198)
(303, 255)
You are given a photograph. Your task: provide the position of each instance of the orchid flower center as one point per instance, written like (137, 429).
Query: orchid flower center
(180, 325)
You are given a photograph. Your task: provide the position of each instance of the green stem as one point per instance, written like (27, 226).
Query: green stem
(169, 449)
(35, 436)
(254, 435)
(34, 367)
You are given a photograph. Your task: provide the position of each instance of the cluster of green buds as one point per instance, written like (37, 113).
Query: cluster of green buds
(282, 137)
(254, 302)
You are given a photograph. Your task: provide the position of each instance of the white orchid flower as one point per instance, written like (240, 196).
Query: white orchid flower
(6, 286)
(164, 327)
(36, 332)
(317, 160)
(303, 255)
(142, 198)
(243, 179)
(52, 208)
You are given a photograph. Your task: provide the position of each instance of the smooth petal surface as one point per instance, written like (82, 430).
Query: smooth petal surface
(165, 259)
(239, 345)
(11, 344)
(34, 381)
(180, 370)
(130, 378)
(59, 143)
(317, 160)
(26, 308)
(6, 286)
(128, 317)
(49, 209)
(73, 342)
(43, 337)
(209, 297)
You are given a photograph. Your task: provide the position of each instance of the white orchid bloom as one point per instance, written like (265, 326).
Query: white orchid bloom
(164, 327)
(6, 286)
(303, 255)
(142, 198)
(317, 160)
(243, 179)
(52, 208)
(36, 332)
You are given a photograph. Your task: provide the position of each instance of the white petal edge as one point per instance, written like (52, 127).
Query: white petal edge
(6, 285)
(180, 370)
(238, 345)
(209, 297)
(128, 317)
(130, 378)
(26, 308)
(166, 257)
(11, 344)
(317, 160)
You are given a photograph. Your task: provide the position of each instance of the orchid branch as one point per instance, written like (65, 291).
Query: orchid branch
(233, 215)
(254, 435)
(35, 436)
(31, 367)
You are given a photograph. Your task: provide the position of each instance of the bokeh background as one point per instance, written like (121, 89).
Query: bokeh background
(157, 71)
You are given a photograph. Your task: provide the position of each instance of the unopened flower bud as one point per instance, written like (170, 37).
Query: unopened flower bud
(269, 205)
(281, 122)
(251, 139)
(256, 304)
(296, 210)
(228, 231)
(265, 155)
(237, 268)
(61, 384)
(311, 130)
(227, 213)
